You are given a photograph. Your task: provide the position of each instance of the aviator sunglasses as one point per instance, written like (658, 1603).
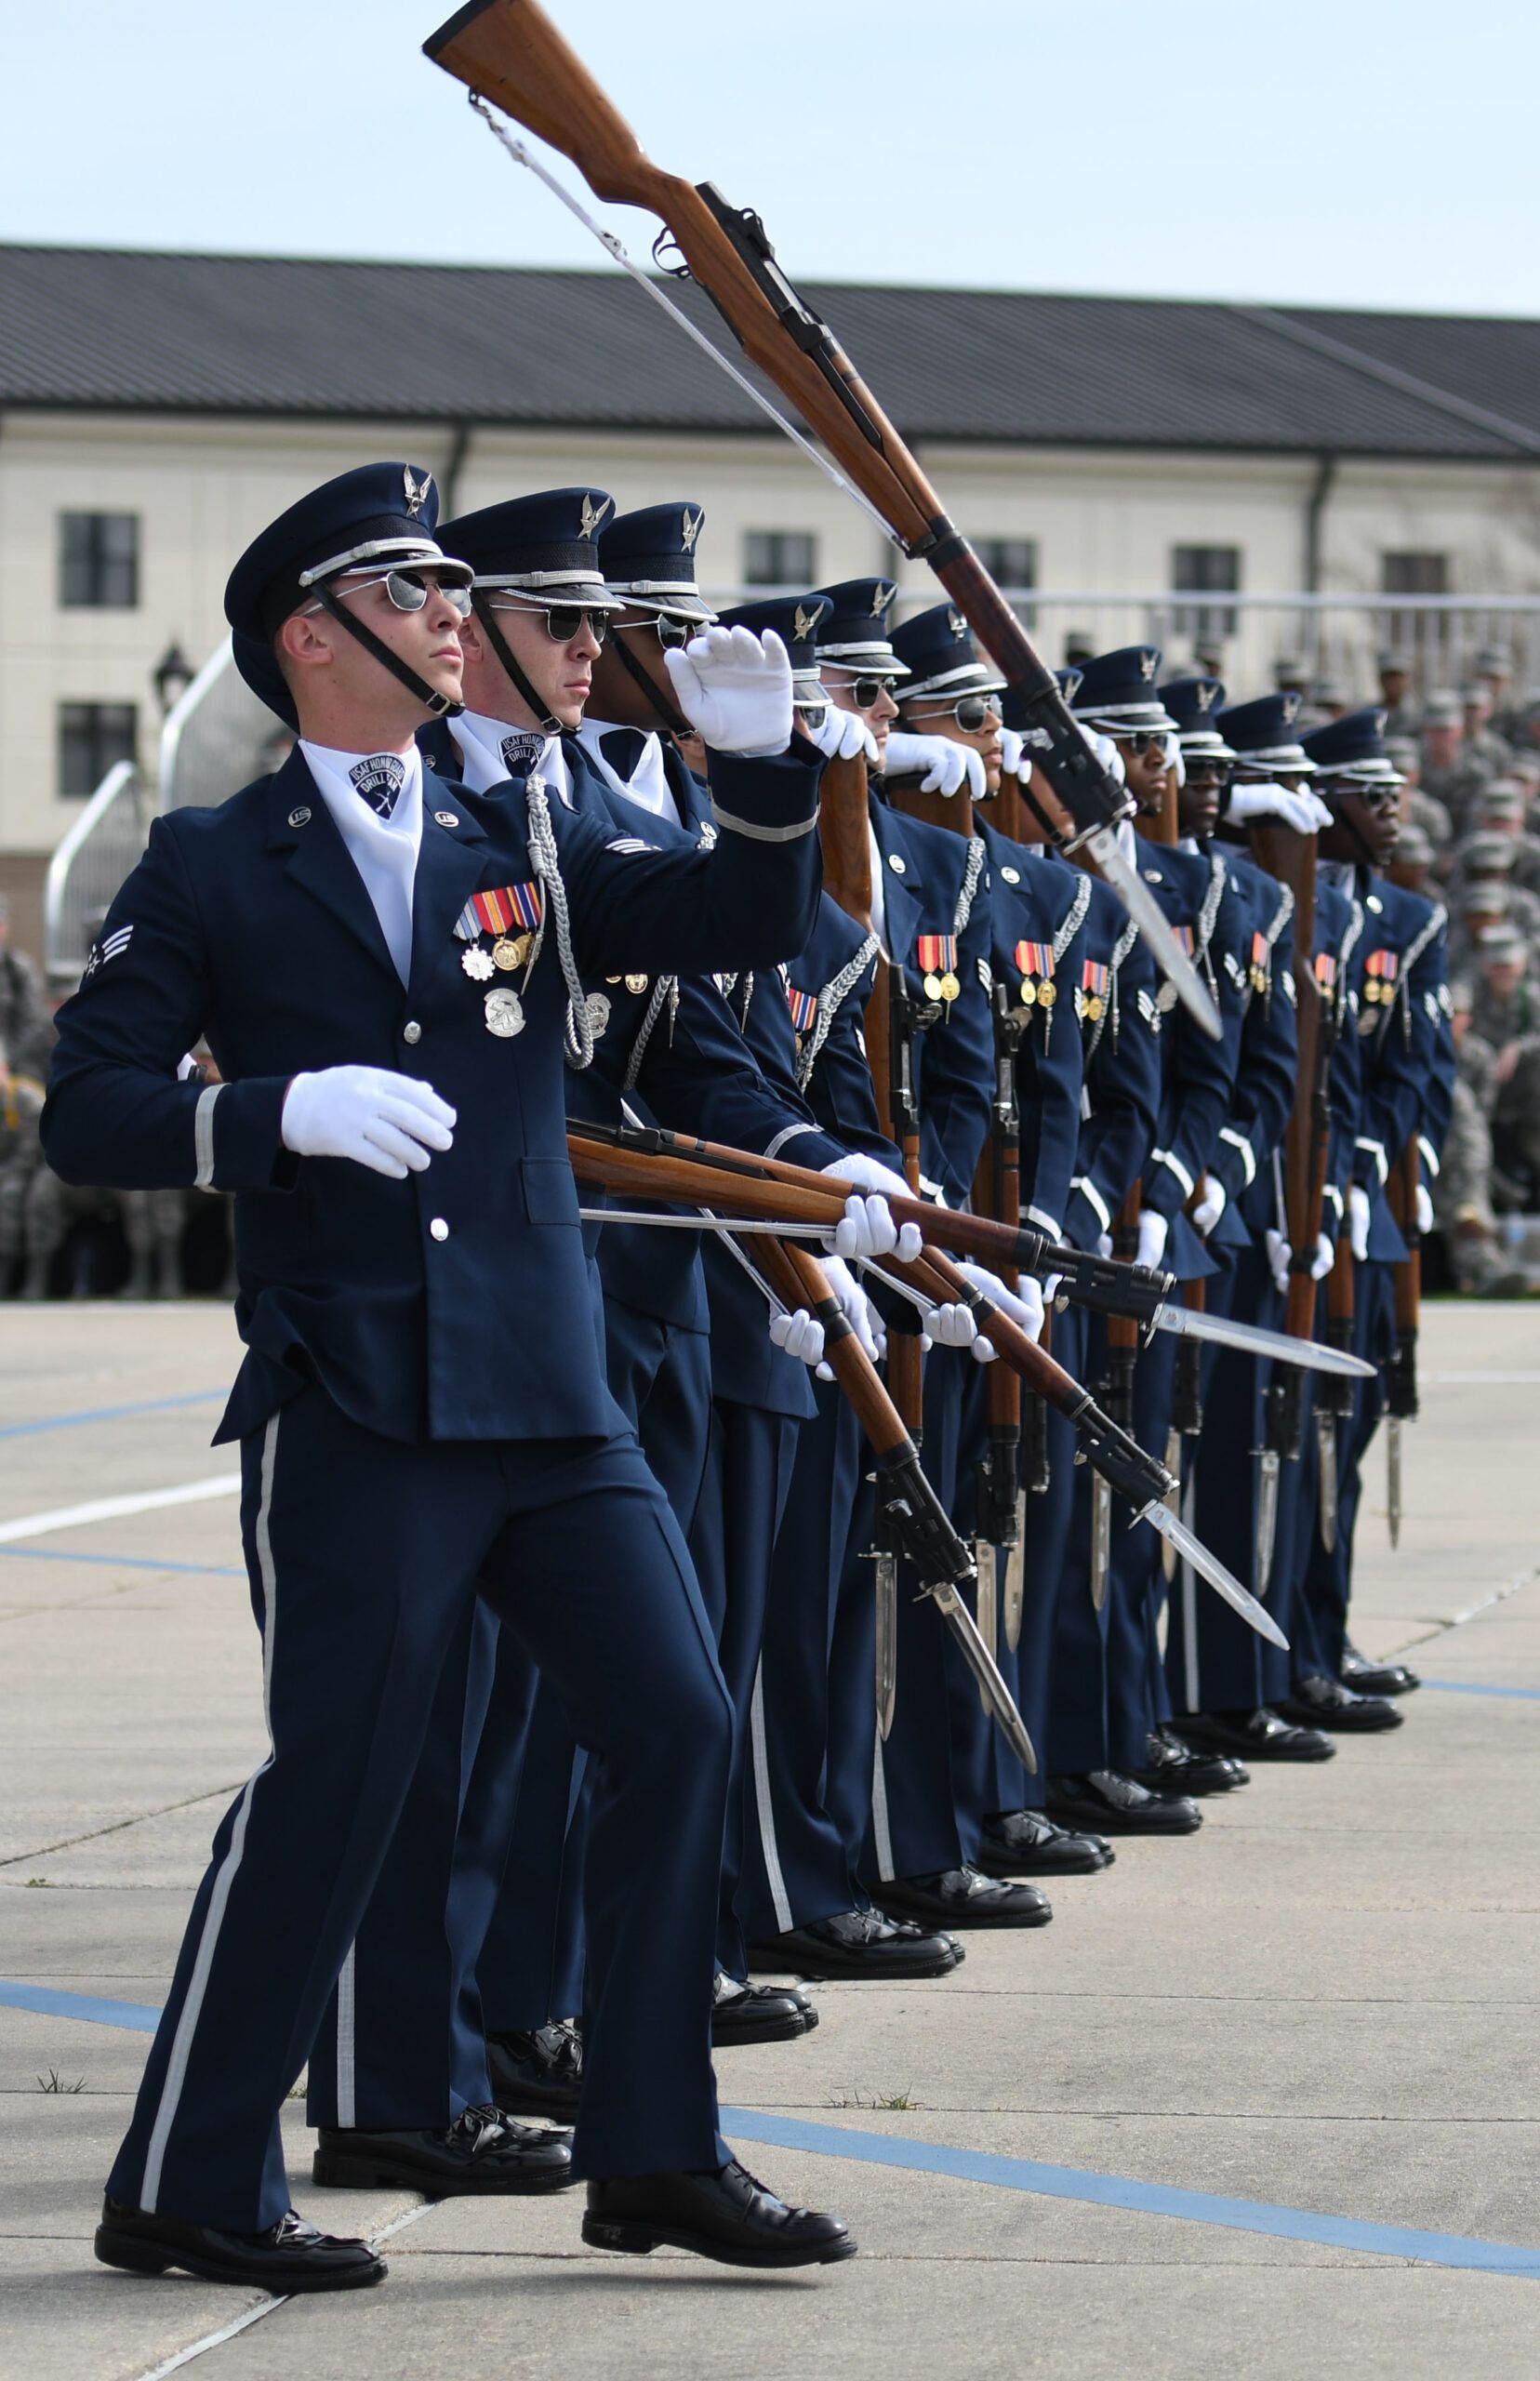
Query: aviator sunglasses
(565, 623)
(970, 712)
(408, 591)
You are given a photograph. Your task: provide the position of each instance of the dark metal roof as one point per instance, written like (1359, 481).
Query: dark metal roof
(106, 331)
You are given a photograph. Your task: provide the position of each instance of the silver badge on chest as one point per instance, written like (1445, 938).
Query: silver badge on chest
(505, 1013)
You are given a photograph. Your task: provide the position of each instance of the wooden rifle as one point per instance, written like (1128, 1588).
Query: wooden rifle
(911, 1518)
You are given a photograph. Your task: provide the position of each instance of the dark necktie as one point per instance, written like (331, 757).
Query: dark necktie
(380, 781)
(623, 748)
(520, 753)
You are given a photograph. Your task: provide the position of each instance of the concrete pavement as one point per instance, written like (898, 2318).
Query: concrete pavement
(1257, 2103)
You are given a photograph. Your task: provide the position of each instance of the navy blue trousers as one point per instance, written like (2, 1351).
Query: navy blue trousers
(915, 1830)
(747, 1479)
(812, 1712)
(1066, 1706)
(365, 1557)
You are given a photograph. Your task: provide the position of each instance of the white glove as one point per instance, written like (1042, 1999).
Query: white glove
(940, 764)
(1358, 1221)
(839, 734)
(735, 688)
(868, 1228)
(1212, 1205)
(1325, 1257)
(387, 1122)
(1279, 1256)
(948, 1326)
(1106, 751)
(857, 1309)
(1013, 752)
(799, 1334)
(1304, 812)
(1175, 761)
(1424, 1209)
(1153, 1232)
(1104, 1244)
(1023, 1307)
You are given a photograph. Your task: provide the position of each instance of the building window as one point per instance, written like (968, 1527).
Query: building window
(779, 558)
(1203, 570)
(1012, 563)
(98, 561)
(1414, 574)
(92, 739)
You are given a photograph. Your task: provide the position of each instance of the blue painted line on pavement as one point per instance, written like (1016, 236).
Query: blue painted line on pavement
(123, 1562)
(1144, 2198)
(108, 1412)
(1464, 1686)
(45, 2002)
(977, 2166)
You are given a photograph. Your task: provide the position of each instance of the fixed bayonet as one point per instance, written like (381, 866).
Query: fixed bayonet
(995, 1694)
(1267, 1516)
(886, 1584)
(1016, 1579)
(1173, 1497)
(1208, 1566)
(1393, 1475)
(1309, 1355)
(1326, 1445)
(989, 1607)
(1154, 929)
(1101, 1539)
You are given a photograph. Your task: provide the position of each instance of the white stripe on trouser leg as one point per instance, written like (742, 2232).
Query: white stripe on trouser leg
(765, 1807)
(347, 2043)
(882, 1833)
(1189, 1597)
(187, 2023)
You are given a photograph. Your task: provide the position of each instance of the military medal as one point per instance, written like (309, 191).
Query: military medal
(1090, 1000)
(636, 983)
(1036, 962)
(504, 1012)
(598, 1014)
(804, 1008)
(499, 915)
(1029, 992)
(936, 955)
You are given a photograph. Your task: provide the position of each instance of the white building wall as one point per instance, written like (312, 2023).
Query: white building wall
(1105, 522)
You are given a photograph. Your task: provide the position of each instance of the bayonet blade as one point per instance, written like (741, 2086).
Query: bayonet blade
(885, 1581)
(1101, 1538)
(1192, 1550)
(1173, 1498)
(989, 1607)
(1326, 1444)
(1015, 1577)
(997, 1697)
(1266, 1518)
(1310, 1355)
(1393, 1474)
(1155, 929)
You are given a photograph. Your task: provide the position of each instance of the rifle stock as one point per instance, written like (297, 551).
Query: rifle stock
(844, 834)
(510, 51)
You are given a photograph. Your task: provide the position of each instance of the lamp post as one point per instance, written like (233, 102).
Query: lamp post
(171, 677)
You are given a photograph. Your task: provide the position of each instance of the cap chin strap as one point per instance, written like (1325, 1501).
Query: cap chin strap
(674, 721)
(1349, 827)
(441, 706)
(545, 718)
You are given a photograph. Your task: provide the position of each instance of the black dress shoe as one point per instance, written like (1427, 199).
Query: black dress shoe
(759, 2012)
(482, 2151)
(1108, 1798)
(536, 2074)
(965, 1898)
(1173, 1767)
(290, 2255)
(1376, 1678)
(1026, 1844)
(729, 2216)
(1261, 1735)
(857, 1943)
(1326, 1703)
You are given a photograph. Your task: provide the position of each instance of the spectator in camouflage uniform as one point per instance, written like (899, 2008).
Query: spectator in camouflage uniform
(26, 1027)
(1450, 774)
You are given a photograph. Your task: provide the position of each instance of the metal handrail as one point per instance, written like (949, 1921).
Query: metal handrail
(182, 710)
(122, 778)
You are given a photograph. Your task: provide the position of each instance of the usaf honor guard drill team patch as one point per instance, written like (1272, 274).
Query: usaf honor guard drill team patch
(380, 781)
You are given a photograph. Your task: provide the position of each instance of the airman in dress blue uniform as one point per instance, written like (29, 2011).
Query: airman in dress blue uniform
(394, 1127)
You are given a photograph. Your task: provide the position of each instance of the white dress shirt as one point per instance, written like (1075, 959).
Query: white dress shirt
(648, 786)
(479, 742)
(384, 851)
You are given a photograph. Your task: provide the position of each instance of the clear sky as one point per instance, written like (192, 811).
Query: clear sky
(1374, 152)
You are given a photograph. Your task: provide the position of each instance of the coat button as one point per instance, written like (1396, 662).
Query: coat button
(438, 1228)
(411, 1031)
